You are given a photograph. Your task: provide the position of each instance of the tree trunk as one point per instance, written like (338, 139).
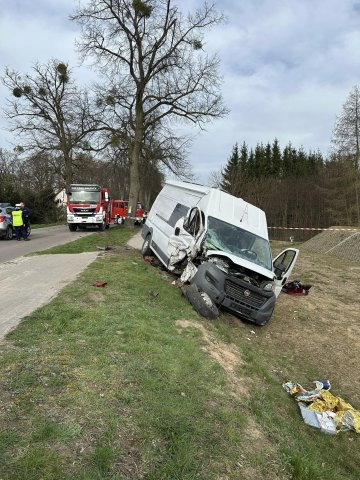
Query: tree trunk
(134, 165)
(68, 170)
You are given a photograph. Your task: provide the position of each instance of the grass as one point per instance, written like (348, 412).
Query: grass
(114, 237)
(107, 383)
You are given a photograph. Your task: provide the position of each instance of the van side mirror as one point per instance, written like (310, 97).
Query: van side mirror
(177, 231)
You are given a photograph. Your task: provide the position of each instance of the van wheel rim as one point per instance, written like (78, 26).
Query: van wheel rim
(206, 299)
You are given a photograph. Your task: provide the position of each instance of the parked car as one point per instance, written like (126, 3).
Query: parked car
(6, 229)
(220, 246)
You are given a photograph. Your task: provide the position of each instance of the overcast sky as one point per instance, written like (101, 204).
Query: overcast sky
(288, 66)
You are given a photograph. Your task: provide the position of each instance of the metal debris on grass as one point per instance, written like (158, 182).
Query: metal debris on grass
(153, 294)
(321, 409)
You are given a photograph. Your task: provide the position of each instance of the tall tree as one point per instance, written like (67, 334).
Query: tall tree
(50, 114)
(231, 173)
(346, 135)
(276, 159)
(152, 58)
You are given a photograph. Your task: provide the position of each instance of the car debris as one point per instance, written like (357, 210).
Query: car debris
(219, 246)
(103, 248)
(99, 284)
(296, 288)
(153, 294)
(323, 410)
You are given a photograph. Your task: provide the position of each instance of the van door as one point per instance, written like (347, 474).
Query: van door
(184, 239)
(282, 266)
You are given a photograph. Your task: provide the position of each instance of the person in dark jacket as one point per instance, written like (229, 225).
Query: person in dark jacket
(26, 213)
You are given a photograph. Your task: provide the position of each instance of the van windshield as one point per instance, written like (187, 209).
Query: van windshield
(228, 238)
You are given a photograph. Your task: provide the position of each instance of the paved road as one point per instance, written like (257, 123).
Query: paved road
(39, 279)
(40, 239)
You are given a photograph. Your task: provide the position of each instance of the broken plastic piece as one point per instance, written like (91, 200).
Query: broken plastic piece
(104, 248)
(100, 284)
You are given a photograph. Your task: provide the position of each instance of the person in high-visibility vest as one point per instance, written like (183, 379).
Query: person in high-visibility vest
(17, 221)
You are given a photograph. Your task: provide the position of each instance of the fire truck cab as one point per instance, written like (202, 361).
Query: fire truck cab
(88, 206)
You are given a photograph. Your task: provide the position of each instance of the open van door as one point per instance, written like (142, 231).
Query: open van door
(186, 233)
(282, 266)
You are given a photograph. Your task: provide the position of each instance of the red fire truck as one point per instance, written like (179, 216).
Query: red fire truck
(119, 211)
(88, 206)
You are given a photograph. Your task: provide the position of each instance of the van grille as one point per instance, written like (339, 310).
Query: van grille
(237, 292)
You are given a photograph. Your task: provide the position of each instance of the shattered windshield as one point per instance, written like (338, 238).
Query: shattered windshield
(84, 197)
(228, 238)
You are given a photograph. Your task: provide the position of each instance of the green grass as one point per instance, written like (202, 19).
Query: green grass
(103, 384)
(114, 237)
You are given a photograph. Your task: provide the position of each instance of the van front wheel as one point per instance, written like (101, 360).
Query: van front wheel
(146, 250)
(201, 302)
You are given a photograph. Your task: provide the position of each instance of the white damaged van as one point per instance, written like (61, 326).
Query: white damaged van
(220, 246)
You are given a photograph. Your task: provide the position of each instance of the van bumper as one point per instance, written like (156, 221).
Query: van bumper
(240, 298)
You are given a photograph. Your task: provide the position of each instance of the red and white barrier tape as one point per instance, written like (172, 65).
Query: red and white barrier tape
(322, 229)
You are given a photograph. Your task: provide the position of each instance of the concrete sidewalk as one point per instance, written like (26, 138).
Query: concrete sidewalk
(136, 241)
(28, 283)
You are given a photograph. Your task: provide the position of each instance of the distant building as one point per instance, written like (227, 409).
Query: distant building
(60, 198)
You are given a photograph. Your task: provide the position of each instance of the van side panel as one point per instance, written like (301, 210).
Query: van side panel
(172, 203)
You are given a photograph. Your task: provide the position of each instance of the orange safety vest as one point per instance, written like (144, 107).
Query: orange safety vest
(17, 219)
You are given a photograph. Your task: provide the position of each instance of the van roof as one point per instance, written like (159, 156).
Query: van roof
(228, 208)
(193, 187)
(237, 212)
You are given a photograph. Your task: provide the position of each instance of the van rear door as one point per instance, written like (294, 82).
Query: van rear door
(282, 266)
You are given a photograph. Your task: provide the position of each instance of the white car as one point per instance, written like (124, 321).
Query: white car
(6, 230)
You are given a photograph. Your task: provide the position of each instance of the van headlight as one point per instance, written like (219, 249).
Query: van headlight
(268, 287)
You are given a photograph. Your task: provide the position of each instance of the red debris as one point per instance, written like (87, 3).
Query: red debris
(100, 284)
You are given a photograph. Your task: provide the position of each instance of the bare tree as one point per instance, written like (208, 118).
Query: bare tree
(346, 135)
(346, 138)
(50, 114)
(215, 178)
(155, 67)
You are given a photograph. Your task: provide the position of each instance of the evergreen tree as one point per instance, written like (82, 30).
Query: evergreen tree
(268, 160)
(231, 172)
(276, 159)
(244, 156)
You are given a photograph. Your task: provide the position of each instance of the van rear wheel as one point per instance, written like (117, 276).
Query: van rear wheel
(201, 302)
(146, 250)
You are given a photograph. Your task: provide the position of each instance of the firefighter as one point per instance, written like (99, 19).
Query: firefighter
(17, 221)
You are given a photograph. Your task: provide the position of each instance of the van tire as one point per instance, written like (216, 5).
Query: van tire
(72, 227)
(145, 249)
(201, 302)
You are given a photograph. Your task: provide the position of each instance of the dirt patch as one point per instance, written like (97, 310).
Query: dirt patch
(226, 355)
